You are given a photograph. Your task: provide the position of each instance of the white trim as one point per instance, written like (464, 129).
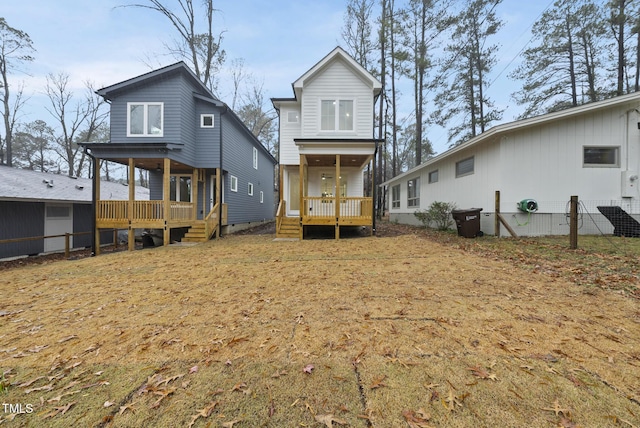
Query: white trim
(205, 116)
(233, 183)
(261, 197)
(255, 158)
(145, 119)
(250, 189)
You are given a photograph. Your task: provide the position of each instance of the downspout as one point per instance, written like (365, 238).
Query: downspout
(224, 111)
(93, 200)
(373, 190)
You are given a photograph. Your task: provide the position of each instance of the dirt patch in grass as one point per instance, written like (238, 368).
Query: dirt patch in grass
(391, 331)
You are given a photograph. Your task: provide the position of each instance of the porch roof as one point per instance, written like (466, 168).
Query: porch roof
(323, 151)
(147, 156)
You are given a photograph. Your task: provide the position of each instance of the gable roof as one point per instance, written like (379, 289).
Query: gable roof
(179, 67)
(631, 101)
(34, 186)
(337, 54)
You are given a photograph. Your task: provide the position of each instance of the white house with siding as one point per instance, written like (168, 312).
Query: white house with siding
(591, 151)
(326, 142)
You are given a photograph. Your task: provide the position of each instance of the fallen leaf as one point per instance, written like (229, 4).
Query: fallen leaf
(328, 420)
(108, 404)
(66, 339)
(308, 368)
(31, 382)
(204, 413)
(417, 419)
(557, 409)
(230, 424)
(240, 386)
(127, 407)
(59, 410)
(193, 369)
(482, 373)
(377, 382)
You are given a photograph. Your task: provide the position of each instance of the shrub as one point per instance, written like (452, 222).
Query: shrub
(438, 214)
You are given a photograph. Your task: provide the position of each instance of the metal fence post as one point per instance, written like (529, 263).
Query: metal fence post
(573, 223)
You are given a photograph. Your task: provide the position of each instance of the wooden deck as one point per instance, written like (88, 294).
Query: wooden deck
(148, 214)
(349, 211)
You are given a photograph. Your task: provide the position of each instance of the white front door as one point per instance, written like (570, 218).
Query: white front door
(58, 220)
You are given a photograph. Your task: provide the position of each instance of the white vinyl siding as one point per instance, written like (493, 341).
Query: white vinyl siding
(337, 82)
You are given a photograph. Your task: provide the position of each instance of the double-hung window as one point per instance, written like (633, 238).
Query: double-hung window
(336, 115)
(413, 192)
(145, 119)
(395, 196)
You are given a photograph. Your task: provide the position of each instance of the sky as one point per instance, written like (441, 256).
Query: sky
(100, 42)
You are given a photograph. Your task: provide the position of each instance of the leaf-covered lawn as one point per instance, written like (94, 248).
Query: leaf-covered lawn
(366, 332)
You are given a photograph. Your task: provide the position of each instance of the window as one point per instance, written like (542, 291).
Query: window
(255, 158)
(464, 167)
(601, 156)
(328, 187)
(292, 117)
(395, 196)
(145, 119)
(413, 192)
(336, 115)
(261, 197)
(234, 183)
(250, 189)
(206, 121)
(433, 176)
(180, 188)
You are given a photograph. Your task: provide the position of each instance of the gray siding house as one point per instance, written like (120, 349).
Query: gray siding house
(36, 204)
(207, 172)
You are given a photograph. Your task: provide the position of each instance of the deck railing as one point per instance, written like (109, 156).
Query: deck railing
(143, 211)
(350, 207)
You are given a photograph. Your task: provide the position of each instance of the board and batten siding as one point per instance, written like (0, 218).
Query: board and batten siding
(337, 81)
(237, 158)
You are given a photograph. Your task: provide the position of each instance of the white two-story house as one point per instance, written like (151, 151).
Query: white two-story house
(326, 143)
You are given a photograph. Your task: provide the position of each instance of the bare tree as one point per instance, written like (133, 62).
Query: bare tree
(15, 49)
(202, 50)
(259, 120)
(78, 120)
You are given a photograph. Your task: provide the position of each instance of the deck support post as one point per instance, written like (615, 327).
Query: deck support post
(96, 192)
(166, 198)
(132, 196)
(338, 189)
(218, 193)
(302, 180)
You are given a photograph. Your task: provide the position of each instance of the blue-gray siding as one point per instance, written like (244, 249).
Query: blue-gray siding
(237, 160)
(21, 220)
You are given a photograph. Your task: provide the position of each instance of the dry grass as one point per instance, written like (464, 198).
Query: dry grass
(396, 331)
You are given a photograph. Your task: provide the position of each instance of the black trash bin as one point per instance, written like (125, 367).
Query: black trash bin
(468, 222)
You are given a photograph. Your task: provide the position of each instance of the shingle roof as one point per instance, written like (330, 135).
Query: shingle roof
(22, 184)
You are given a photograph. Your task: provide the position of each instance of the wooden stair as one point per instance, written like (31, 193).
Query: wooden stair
(196, 233)
(289, 228)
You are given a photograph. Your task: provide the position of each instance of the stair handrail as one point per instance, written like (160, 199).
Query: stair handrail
(280, 214)
(211, 222)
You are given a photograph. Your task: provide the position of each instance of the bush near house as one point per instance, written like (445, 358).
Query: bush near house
(438, 214)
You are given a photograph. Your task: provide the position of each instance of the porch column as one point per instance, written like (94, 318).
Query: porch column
(301, 186)
(194, 193)
(166, 198)
(218, 202)
(132, 197)
(338, 196)
(96, 192)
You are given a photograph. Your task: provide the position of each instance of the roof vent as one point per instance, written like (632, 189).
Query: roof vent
(49, 183)
(79, 187)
